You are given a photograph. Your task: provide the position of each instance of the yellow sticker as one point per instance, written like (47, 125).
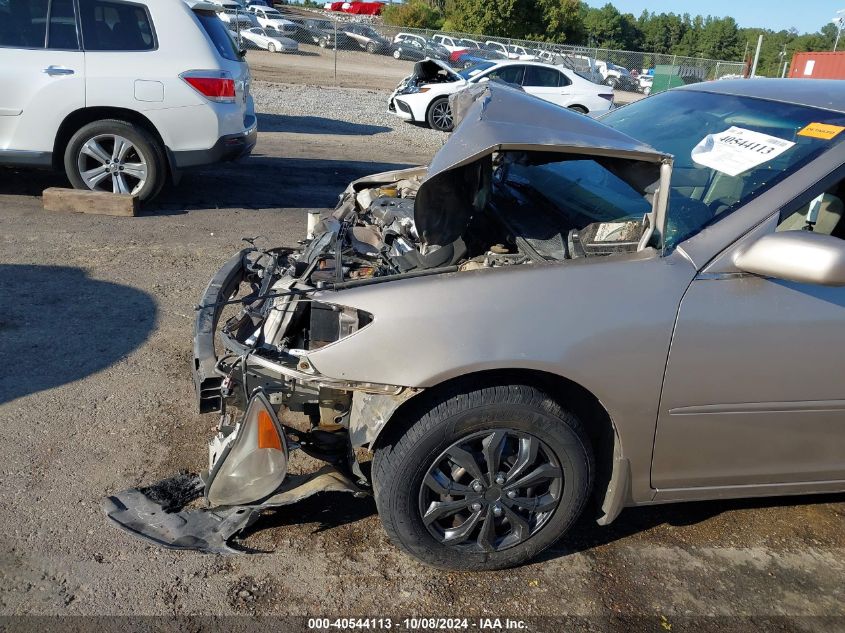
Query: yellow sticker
(821, 130)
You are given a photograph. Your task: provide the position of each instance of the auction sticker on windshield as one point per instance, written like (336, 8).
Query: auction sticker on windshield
(737, 150)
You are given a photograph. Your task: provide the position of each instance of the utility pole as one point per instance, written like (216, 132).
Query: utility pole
(782, 57)
(839, 21)
(757, 55)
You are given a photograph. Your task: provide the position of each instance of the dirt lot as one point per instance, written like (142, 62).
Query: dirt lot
(96, 396)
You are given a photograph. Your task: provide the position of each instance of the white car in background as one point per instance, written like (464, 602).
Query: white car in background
(409, 36)
(269, 39)
(424, 96)
(451, 44)
(90, 107)
(511, 51)
(271, 19)
(235, 16)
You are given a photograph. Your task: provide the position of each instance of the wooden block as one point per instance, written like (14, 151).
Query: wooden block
(97, 202)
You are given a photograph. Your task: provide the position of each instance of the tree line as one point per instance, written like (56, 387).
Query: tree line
(574, 22)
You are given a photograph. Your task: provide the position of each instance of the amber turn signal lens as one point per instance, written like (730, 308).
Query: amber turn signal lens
(268, 437)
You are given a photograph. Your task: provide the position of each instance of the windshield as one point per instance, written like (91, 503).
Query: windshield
(322, 24)
(727, 149)
(472, 71)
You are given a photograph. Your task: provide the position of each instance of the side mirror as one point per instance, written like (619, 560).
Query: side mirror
(802, 256)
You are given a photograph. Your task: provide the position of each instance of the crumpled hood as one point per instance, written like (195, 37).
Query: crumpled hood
(499, 118)
(428, 68)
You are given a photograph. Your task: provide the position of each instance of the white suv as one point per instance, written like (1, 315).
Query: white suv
(121, 94)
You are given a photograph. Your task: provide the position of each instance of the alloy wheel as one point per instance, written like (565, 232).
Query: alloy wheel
(491, 490)
(441, 115)
(109, 162)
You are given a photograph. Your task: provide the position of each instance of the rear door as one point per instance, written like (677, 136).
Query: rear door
(42, 76)
(120, 54)
(545, 82)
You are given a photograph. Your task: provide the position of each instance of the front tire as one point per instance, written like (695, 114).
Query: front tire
(116, 156)
(439, 116)
(271, 47)
(397, 54)
(323, 42)
(483, 477)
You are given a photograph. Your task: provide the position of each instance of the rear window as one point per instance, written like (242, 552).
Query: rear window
(115, 26)
(219, 36)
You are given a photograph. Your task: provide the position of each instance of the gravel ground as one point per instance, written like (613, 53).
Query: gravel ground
(96, 396)
(341, 111)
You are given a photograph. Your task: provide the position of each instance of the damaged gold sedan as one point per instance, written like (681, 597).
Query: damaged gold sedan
(495, 329)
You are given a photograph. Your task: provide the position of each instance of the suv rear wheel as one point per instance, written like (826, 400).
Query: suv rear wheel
(115, 156)
(483, 478)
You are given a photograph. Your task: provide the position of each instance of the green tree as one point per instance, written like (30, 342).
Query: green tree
(415, 14)
(562, 19)
(500, 18)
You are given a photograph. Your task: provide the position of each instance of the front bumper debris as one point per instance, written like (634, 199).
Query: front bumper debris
(156, 513)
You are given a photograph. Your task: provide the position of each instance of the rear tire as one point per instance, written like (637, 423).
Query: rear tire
(371, 48)
(522, 430)
(439, 115)
(579, 109)
(397, 54)
(93, 159)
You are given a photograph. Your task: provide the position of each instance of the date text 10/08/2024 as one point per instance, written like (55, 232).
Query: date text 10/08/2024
(417, 624)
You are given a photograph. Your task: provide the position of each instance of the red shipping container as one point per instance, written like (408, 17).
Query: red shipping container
(825, 65)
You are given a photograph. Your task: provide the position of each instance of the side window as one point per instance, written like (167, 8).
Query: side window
(510, 74)
(23, 24)
(541, 77)
(821, 214)
(62, 34)
(564, 80)
(108, 25)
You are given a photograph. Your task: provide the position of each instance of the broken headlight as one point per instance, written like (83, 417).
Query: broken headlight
(251, 462)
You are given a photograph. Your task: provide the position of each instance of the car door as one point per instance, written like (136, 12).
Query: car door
(42, 75)
(511, 73)
(544, 82)
(754, 392)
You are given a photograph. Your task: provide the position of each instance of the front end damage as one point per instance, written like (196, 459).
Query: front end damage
(267, 314)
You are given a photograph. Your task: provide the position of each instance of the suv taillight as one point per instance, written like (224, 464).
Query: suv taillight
(214, 85)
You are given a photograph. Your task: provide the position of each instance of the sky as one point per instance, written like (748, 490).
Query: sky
(808, 16)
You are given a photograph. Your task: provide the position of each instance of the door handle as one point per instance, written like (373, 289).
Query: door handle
(58, 70)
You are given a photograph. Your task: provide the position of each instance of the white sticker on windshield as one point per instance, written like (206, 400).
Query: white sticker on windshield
(737, 150)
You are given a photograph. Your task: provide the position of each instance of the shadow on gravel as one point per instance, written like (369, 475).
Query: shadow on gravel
(327, 510)
(265, 182)
(586, 534)
(58, 325)
(316, 125)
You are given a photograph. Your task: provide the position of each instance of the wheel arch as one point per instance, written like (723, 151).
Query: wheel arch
(611, 490)
(79, 118)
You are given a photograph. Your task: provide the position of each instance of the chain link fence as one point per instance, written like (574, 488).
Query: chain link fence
(285, 28)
